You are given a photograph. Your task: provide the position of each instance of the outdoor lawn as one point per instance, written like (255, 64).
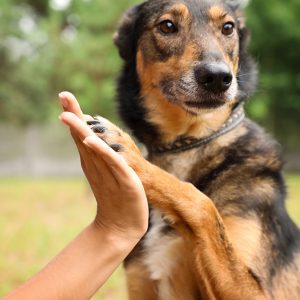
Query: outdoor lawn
(38, 217)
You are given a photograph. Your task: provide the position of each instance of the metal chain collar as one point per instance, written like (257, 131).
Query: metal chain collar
(187, 143)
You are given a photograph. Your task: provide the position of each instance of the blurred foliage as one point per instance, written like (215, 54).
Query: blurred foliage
(54, 45)
(50, 46)
(275, 27)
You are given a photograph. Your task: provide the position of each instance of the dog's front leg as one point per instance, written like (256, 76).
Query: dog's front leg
(221, 272)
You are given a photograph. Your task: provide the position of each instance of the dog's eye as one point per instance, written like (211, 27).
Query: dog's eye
(228, 28)
(167, 27)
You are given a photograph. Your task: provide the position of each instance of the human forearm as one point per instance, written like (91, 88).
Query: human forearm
(80, 269)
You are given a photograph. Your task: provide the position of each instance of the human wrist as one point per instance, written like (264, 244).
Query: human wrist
(122, 241)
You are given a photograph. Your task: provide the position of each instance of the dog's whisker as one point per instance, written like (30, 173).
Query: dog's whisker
(203, 142)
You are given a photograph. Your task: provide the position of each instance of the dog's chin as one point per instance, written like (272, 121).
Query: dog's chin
(200, 106)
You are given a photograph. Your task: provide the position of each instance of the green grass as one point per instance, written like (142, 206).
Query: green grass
(39, 217)
(293, 203)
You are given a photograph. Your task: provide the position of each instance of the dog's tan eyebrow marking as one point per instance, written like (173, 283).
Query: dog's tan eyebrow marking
(217, 13)
(179, 10)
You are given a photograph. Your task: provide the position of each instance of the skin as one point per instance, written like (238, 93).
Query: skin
(121, 220)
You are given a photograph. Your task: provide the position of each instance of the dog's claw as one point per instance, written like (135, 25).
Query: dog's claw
(93, 122)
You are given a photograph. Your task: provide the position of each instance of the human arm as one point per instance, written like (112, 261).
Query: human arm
(79, 270)
(121, 220)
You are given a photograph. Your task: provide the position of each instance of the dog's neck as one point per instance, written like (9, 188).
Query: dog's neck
(184, 143)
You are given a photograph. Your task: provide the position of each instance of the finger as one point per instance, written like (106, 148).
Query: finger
(118, 166)
(94, 165)
(85, 154)
(70, 104)
(86, 118)
(97, 173)
(77, 126)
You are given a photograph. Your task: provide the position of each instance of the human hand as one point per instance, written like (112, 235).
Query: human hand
(122, 206)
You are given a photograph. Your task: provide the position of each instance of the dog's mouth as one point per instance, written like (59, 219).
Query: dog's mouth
(194, 99)
(206, 104)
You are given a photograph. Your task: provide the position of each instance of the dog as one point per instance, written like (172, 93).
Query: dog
(218, 224)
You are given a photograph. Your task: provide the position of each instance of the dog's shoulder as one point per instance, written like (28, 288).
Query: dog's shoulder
(248, 174)
(248, 185)
(252, 155)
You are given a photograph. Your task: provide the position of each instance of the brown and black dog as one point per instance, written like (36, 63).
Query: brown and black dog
(218, 228)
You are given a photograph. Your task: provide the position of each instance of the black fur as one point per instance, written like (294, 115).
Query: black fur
(278, 228)
(237, 167)
(247, 74)
(125, 38)
(129, 105)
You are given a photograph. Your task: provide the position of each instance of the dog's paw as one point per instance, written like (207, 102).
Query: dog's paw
(117, 139)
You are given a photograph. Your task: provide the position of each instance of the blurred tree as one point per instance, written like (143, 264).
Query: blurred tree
(275, 27)
(51, 45)
(25, 88)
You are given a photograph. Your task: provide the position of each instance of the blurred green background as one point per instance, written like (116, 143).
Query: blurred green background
(47, 46)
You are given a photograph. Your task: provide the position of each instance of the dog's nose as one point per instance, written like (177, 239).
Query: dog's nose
(214, 77)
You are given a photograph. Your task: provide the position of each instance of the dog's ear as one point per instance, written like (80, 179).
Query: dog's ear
(237, 4)
(124, 37)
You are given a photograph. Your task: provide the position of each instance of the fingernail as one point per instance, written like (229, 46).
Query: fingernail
(63, 100)
(60, 118)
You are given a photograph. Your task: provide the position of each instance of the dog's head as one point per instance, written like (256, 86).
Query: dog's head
(188, 50)
(191, 53)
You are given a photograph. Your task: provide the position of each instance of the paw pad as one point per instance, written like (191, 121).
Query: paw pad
(93, 122)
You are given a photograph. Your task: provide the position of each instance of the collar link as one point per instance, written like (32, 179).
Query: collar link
(184, 143)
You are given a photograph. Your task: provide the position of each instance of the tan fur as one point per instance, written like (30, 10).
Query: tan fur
(168, 116)
(190, 166)
(200, 230)
(223, 248)
(218, 17)
(139, 284)
(172, 118)
(216, 249)
(177, 11)
(246, 238)
(181, 284)
(174, 274)
(182, 10)
(289, 275)
(216, 13)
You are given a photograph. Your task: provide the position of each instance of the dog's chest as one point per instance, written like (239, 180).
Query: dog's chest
(168, 261)
(160, 247)
(165, 250)
(180, 165)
